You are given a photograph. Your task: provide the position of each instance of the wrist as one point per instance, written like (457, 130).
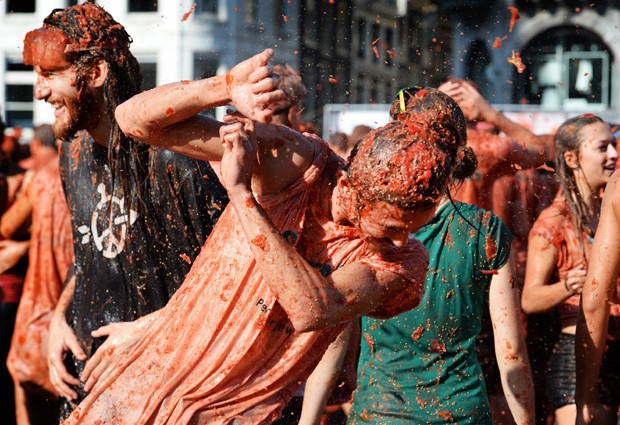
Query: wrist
(215, 91)
(568, 289)
(492, 115)
(241, 195)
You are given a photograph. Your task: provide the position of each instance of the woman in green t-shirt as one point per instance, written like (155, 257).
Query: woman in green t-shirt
(421, 367)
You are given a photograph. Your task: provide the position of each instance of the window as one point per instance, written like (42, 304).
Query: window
(20, 6)
(376, 34)
(207, 6)
(149, 75)
(567, 68)
(206, 65)
(361, 37)
(279, 14)
(19, 91)
(251, 11)
(143, 5)
(478, 70)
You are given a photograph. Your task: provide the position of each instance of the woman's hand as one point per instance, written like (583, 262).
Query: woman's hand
(574, 280)
(252, 88)
(239, 143)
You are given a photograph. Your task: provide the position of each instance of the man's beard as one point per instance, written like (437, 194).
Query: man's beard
(81, 117)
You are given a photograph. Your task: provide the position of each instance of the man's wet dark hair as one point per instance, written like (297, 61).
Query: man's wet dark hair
(94, 35)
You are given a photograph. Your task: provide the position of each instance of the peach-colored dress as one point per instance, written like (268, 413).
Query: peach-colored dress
(224, 350)
(50, 256)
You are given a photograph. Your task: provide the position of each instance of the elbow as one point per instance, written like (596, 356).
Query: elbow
(129, 126)
(527, 306)
(530, 305)
(307, 323)
(6, 231)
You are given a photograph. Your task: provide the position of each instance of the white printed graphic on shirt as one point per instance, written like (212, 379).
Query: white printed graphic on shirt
(111, 240)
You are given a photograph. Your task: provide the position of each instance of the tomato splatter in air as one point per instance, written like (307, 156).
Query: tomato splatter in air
(186, 258)
(515, 60)
(513, 19)
(187, 14)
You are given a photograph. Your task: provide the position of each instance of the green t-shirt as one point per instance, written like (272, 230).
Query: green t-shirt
(420, 367)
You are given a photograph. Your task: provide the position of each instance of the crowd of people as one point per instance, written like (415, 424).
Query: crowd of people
(160, 266)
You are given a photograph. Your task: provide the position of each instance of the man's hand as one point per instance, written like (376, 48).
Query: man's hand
(11, 252)
(121, 338)
(252, 88)
(61, 341)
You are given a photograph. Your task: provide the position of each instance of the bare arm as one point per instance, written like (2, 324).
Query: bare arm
(167, 116)
(321, 383)
(61, 340)
(538, 294)
(311, 300)
(17, 217)
(510, 349)
(598, 292)
(534, 150)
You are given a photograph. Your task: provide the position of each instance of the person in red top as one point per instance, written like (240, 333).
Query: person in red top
(559, 254)
(502, 150)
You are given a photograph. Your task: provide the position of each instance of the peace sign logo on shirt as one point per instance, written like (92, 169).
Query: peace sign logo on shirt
(108, 231)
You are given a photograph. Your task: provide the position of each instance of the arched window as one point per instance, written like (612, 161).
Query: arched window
(567, 68)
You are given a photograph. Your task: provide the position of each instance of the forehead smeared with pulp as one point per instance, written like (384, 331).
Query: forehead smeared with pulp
(45, 48)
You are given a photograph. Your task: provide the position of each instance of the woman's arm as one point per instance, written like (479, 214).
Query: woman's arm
(510, 349)
(167, 116)
(538, 294)
(321, 382)
(16, 219)
(311, 300)
(598, 292)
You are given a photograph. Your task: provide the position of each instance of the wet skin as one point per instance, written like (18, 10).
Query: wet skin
(597, 154)
(57, 81)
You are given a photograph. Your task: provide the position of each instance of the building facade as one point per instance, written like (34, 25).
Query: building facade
(214, 37)
(569, 49)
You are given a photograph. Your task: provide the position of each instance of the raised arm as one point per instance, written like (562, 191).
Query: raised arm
(510, 349)
(598, 291)
(167, 116)
(533, 150)
(311, 300)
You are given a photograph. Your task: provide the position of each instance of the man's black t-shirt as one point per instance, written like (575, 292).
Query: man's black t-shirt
(129, 261)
